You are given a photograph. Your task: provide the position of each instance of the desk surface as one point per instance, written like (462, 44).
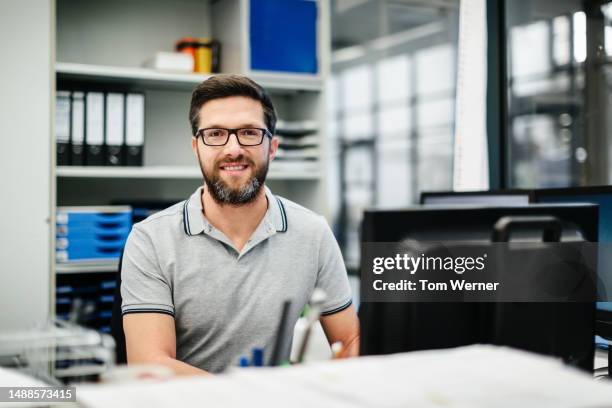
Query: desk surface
(474, 376)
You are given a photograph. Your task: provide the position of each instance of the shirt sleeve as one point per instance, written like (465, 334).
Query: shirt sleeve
(143, 286)
(332, 277)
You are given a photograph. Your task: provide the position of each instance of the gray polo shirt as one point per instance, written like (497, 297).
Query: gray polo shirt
(224, 301)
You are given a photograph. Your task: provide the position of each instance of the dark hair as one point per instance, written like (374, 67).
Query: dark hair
(225, 85)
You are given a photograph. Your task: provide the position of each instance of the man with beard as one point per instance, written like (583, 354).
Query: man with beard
(204, 281)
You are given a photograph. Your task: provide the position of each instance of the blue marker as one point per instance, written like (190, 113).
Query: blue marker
(258, 357)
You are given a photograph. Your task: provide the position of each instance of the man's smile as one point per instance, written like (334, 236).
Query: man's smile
(234, 168)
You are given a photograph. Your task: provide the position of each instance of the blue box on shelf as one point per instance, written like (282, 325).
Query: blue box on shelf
(88, 249)
(92, 233)
(283, 36)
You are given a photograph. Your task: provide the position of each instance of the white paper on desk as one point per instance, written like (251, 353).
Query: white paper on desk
(475, 376)
(13, 378)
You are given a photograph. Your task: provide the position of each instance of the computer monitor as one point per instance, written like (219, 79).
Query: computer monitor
(560, 329)
(601, 195)
(496, 197)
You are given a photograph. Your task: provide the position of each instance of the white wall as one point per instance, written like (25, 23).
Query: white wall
(26, 81)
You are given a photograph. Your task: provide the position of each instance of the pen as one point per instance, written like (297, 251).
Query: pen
(316, 302)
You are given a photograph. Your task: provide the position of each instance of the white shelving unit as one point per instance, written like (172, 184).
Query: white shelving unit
(87, 267)
(149, 172)
(131, 75)
(148, 78)
(163, 172)
(27, 167)
(102, 45)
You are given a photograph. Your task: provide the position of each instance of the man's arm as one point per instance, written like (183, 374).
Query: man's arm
(150, 339)
(343, 326)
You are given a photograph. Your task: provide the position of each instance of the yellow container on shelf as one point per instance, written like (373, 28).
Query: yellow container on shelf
(205, 53)
(203, 56)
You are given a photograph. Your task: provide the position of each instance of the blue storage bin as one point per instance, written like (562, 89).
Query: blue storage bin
(105, 314)
(88, 249)
(283, 35)
(93, 231)
(88, 216)
(108, 285)
(86, 243)
(106, 299)
(64, 289)
(101, 250)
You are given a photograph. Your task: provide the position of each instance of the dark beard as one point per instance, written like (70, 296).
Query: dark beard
(223, 194)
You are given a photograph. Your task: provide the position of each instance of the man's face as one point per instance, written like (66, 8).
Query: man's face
(233, 174)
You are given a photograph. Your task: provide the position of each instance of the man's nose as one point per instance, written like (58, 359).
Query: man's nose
(232, 147)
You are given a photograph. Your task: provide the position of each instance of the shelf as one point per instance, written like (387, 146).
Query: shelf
(164, 172)
(148, 172)
(87, 267)
(287, 82)
(148, 78)
(134, 76)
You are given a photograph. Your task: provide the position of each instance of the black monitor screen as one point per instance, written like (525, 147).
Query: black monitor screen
(595, 195)
(565, 330)
(451, 223)
(498, 198)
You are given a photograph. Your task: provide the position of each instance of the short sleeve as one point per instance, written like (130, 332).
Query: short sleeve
(332, 276)
(143, 286)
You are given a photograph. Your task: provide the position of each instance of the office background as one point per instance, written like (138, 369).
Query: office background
(381, 102)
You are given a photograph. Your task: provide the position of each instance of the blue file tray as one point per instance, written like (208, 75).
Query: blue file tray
(94, 232)
(87, 217)
(106, 299)
(283, 36)
(108, 285)
(88, 249)
(91, 233)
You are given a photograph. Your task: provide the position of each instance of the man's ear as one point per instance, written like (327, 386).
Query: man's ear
(194, 145)
(273, 147)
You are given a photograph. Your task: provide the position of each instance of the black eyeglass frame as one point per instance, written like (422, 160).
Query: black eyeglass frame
(265, 132)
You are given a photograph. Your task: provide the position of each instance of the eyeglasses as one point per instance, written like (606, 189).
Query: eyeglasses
(245, 136)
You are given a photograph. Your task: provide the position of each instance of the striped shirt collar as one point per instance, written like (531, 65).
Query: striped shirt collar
(194, 221)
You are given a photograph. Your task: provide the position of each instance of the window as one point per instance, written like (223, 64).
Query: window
(558, 91)
(392, 99)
